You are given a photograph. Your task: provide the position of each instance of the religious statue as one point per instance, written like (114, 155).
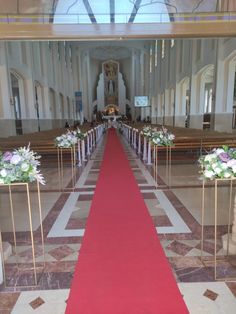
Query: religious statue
(110, 88)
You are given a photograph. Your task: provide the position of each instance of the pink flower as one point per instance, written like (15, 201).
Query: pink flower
(7, 156)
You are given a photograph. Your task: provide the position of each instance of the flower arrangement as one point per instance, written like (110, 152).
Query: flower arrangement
(20, 165)
(162, 137)
(147, 131)
(66, 140)
(220, 163)
(79, 134)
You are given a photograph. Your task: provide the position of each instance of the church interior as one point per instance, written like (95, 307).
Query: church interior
(113, 70)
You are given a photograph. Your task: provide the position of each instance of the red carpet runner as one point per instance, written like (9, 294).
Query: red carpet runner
(122, 268)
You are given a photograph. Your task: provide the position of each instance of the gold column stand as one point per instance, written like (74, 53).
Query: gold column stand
(60, 161)
(34, 268)
(168, 163)
(208, 262)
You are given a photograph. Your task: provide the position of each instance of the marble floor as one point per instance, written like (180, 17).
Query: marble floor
(175, 207)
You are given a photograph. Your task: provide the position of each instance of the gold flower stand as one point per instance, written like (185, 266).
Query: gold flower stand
(34, 268)
(168, 163)
(61, 163)
(229, 211)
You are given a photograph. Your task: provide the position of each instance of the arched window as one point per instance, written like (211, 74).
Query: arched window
(17, 99)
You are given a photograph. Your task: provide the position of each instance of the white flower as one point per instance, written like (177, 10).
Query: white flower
(3, 173)
(24, 167)
(214, 165)
(231, 163)
(219, 151)
(234, 169)
(217, 170)
(208, 174)
(227, 174)
(210, 157)
(224, 166)
(15, 159)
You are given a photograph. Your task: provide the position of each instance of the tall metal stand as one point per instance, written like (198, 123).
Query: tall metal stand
(60, 161)
(12, 211)
(215, 225)
(168, 163)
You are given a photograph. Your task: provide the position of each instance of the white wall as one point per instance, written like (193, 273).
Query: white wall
(34, 61)
(188, 59)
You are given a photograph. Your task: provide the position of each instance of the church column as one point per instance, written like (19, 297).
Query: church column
(132, 93)
(223, 99)
(55, 80)
(79, 87)
(141, 86)
(7, 125)
(76, 75)
(89, 88)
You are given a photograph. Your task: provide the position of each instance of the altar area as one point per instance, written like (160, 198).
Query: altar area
(111, 89)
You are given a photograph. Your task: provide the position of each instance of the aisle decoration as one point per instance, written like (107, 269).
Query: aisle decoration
(20, 165)
(18, 168)
(81, 145)
(220, 163)
(147, 131)
(63, 142)
(66, 140)
(79, 134)
(162, 137)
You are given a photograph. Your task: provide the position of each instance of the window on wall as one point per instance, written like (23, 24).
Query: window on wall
(156, 53)
(58, 51)
(150, 60)
(208, 98)
(181, 56)
(65, 54)
(235, 86)
(70, 56)
(163, 49)
(199, 50)
(23, 53)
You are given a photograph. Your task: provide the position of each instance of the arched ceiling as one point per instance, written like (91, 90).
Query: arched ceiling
(113, 11)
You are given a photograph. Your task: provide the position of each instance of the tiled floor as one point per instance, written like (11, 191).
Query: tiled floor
(175, 208)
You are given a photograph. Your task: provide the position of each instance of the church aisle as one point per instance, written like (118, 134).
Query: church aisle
(134, 276)
(201, 294)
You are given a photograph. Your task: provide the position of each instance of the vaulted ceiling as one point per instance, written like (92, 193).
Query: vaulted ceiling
(113, 11)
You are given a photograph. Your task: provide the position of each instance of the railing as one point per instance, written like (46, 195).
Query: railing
(46, 18)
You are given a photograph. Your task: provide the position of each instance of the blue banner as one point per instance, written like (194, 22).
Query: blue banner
(78, 102)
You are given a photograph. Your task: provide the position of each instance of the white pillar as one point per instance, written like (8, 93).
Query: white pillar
(139, 143)
(145, 148)
(79, 152)
(83, 150)
(149, 156)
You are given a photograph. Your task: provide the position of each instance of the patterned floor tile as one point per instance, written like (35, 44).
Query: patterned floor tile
(210, 294)
(61, 252)
(36, 303)
(8, 300)
(179, 248)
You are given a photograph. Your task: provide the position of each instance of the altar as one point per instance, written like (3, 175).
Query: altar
(111, 117)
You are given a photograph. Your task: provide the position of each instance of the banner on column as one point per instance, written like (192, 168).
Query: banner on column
(78, 102)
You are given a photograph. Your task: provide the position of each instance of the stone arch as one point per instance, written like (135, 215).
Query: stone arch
(39, 100)
(52, 97)
(17, 99)
(182, 105)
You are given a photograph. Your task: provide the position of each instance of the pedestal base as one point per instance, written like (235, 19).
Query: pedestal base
(232, 244)
(7, 251)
